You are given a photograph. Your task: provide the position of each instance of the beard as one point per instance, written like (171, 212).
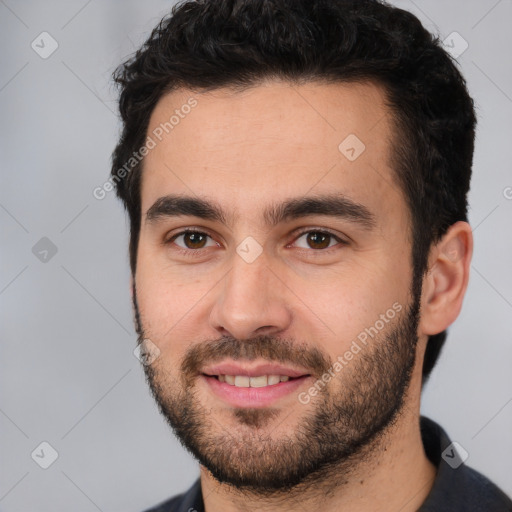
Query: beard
(340, 428)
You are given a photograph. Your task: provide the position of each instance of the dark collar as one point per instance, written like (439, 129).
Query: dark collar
(457, 488)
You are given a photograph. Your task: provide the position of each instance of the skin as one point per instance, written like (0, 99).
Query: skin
(263, 146)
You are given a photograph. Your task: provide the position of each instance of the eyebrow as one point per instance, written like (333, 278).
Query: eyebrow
(332, 205)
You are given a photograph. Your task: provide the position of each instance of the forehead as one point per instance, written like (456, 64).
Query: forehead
(271, 141)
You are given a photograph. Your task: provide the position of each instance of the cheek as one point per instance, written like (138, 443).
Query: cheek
(341, 305)
(159, 288)
(164, 305)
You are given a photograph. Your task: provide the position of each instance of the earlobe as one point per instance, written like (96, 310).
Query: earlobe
(445, 283)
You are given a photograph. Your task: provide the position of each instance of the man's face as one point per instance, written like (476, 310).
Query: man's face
(276, 279)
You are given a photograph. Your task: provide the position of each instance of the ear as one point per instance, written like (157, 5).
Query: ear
(446, 281)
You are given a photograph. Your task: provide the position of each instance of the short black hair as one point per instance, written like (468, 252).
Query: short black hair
(205, 45)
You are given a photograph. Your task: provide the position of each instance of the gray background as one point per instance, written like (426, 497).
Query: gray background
(68, 375)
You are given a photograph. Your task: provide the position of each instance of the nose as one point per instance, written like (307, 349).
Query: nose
(251, 301)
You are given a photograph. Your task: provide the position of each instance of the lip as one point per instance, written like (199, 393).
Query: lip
(232, 368)
(253, 397)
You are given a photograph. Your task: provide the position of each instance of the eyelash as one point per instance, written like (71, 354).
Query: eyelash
(197, 252)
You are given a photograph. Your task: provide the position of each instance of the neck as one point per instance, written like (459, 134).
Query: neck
(392, 474)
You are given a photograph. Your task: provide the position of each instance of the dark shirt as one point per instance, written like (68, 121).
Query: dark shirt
(457, 487)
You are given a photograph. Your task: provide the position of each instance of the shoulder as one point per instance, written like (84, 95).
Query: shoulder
(466, 490)
(457, 487)
(171, 505)
(188, 501)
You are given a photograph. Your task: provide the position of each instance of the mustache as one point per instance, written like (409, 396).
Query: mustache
(266, 347)
(272, 349)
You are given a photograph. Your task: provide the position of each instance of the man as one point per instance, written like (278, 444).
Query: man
(295, 173)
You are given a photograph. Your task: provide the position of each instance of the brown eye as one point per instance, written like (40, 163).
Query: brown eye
(194, 240)
(318, 240)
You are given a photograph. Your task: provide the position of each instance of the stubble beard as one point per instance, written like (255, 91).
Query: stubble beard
(338, 431)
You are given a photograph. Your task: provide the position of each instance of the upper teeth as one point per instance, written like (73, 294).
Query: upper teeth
(243, 381)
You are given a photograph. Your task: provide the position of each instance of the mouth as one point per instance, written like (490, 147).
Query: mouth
(259, 381)
(256, 387)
